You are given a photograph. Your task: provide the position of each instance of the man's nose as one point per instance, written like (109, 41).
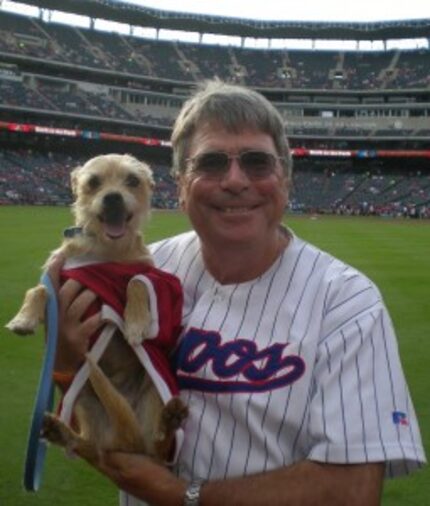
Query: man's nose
(235, 179)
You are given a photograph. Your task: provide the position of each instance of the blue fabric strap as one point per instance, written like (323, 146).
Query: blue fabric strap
(36, 447)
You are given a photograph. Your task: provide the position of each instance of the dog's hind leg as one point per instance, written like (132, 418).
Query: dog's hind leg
(126, 428)
(32, 312)
(58, 433)
(171, 417)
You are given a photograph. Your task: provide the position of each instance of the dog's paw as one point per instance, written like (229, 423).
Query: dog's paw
(137, 330)
(23, 326)
(173, 414)
(55, 431)
(133, 333)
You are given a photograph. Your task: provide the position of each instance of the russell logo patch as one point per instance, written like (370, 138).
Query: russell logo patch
(400, 418)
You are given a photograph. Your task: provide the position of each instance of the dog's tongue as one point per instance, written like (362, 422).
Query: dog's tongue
(114, 230)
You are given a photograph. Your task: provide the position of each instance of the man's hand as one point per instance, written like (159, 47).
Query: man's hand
(73, 332)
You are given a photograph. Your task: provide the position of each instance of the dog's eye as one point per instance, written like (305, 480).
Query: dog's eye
(94, 182)
(132, 181)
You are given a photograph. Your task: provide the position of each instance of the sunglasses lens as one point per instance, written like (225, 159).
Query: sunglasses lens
(212, 163)
(257, 164)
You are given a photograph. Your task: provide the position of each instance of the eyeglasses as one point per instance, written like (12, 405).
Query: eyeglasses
(215, 164)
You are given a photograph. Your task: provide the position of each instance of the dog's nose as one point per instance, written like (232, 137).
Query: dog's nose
(113, 200)
(114, 210)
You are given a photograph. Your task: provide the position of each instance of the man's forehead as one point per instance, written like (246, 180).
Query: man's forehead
(216, 136)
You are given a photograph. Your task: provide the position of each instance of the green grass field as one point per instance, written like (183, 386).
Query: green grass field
(395, 254)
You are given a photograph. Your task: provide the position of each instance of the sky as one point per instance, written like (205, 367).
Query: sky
(301, 10)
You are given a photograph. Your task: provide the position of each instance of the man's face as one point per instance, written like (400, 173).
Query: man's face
(233, 209)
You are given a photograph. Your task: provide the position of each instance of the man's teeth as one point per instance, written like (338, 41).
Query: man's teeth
(236, 210)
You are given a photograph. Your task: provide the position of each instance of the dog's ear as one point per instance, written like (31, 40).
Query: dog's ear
(150, 179)
(143, 168)
(74, 179)
(147, 173)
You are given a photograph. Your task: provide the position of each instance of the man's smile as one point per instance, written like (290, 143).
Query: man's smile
(236, 210)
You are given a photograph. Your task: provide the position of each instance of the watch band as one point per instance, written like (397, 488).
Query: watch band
(192, 494)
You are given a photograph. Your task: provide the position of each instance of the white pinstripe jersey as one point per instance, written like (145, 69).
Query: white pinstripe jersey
(299, 363)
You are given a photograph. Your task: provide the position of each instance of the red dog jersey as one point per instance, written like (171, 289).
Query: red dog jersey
(109, 281)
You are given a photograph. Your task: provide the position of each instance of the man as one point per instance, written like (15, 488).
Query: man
(288, 360)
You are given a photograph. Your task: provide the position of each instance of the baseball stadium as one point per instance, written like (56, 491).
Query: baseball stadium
(357, 118)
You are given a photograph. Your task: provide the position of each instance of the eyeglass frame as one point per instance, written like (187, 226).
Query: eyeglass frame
(229, 158)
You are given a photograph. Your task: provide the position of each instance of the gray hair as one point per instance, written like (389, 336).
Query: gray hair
(234, 108)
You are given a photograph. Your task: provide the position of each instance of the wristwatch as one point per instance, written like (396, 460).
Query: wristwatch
(192, 494)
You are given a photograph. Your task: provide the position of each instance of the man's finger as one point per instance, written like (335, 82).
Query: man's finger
(92, 324)
(68, 292)
(80, 304)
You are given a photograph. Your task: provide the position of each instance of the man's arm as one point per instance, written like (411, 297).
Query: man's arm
(74, 333)
(303, 484)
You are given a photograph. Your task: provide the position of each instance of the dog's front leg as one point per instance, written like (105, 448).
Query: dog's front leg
(137, 313)
(32, 311)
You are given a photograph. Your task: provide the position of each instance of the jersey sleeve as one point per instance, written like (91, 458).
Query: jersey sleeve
(360, 407)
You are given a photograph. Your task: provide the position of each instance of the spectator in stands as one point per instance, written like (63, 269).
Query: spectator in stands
(288, 360)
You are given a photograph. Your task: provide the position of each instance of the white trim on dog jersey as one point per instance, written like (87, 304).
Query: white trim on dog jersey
(300, 363)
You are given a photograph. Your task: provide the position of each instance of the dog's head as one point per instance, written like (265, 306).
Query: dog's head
(112, 197)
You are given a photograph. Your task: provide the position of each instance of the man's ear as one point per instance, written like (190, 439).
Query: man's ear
(286, 187)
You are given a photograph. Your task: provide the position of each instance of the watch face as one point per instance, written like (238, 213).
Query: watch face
(192, 494)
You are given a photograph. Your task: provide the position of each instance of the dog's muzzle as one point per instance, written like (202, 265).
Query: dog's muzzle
(114, 215)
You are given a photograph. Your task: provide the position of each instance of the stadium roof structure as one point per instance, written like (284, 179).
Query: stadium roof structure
(132, 14)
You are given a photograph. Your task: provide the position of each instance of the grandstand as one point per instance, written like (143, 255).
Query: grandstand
(358, 121)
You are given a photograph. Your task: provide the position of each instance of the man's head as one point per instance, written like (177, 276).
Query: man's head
(232, 162)
(233, 108)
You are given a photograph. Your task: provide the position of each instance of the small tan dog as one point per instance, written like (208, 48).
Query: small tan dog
(119, 408)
